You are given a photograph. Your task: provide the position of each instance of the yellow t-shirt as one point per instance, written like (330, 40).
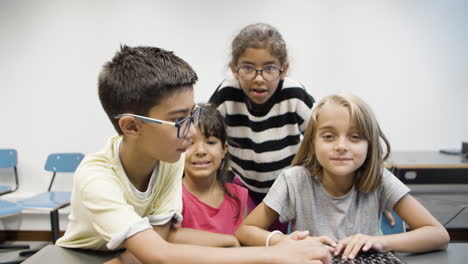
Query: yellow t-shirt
(104, 208)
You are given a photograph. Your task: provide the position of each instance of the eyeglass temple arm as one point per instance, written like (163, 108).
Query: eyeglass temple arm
(147, 119)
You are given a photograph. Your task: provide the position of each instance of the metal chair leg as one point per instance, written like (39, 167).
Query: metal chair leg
(55, 228)
(14, 246)
(13, 262)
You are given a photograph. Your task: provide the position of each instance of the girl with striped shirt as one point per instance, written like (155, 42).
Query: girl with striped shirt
(265, 111)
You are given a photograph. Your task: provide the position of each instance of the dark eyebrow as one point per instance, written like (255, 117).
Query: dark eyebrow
(264, 64)
(185, 111)
(269, 63)
(245, 62)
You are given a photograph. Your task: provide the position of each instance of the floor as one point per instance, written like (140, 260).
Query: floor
(13, 255)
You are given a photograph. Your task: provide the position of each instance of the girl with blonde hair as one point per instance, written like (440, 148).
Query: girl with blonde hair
(338, 187)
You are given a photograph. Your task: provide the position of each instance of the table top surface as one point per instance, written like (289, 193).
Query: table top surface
(459, 221)
(455, 254)
(426, 160)
(446, 208)
(55, 254)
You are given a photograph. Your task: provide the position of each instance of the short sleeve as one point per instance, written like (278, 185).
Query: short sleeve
(240, 192)
(244, 197)
(281, 198)
(391, 190)
(109, 213)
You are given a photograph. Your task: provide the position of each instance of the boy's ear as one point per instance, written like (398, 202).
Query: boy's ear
(130, 126)
(284, 73)
(234, 71)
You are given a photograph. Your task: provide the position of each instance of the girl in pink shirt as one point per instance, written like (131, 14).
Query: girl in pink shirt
(210, 201)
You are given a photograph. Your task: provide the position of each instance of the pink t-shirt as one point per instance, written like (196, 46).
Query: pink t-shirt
(225, 219)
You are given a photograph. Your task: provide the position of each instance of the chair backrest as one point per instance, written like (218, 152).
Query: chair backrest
(62, 162)
(387, 229)
(8, 158)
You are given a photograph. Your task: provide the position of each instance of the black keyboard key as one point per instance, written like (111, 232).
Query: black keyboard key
(370, 257)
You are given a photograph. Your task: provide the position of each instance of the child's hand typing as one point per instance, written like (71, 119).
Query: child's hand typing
(327, 241)
(299, 235)
(353, 244)
(308, 250)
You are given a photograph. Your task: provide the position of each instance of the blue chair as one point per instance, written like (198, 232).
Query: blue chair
(387, 229)
(8, 209)
(52, 201)
(8, 159)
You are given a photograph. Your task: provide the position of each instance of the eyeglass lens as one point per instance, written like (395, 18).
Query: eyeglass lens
(269, 72)
(184, 127)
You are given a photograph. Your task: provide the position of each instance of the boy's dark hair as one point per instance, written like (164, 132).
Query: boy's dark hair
(138, 78)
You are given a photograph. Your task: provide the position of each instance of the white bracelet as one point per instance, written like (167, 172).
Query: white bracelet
(267, 243)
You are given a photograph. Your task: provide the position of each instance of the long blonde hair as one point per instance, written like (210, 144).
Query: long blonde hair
(369, 175)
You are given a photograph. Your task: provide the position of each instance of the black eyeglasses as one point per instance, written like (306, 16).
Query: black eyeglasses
(269, 72)
(183, 126)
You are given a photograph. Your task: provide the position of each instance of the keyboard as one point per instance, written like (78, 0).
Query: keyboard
(370, 257)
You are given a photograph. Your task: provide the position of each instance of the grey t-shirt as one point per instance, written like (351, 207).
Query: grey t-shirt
(302, 200)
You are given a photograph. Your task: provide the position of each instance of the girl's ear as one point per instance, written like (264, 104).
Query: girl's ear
(225, 149)
(234, 71)
(284, 73)
(130, 126)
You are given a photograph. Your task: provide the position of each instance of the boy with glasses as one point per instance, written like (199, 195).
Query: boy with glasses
(129, 195)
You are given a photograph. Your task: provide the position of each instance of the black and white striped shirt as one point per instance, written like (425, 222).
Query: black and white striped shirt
(263, 143)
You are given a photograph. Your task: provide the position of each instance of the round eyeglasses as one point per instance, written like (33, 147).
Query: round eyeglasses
(183, 126)
(269, 72)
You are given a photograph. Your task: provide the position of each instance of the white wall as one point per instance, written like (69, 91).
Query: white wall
(407, 58)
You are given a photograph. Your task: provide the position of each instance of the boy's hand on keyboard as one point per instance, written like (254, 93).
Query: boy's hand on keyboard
(353, 244)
